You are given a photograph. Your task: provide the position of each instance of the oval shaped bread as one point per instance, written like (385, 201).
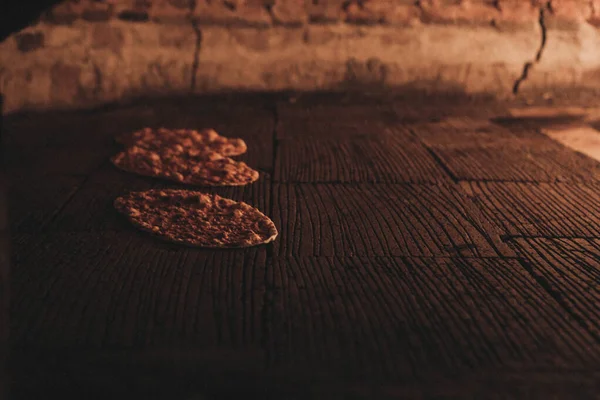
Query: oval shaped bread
(200, 167)
(153, 139)
(197, 219)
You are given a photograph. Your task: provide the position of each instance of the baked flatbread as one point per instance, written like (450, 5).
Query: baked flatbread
(197, 219)
(191, 139)
(199, 167)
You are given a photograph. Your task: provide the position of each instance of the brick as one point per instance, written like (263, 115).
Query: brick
(179, 4)
(320, 35)
(133, 10)
(567, 14)
(96, 15)
(403, 15)
(369, 73)
(138, 5)
(96, 11)
(68, 11)
(289, 12)
(65, 87)
(66, 36)
(109, 37)
(458, 12)
(263, 40)
(323, 11)
(514, 12)
(240, 12)
(357, 13)
(170, 10)
(594, 18)
(574, 10)
(134, 16)
(63, 13)
(29, 41)
(481, 12)
(393, 12)
(180, 37)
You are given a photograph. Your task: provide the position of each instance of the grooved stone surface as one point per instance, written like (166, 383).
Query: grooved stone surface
(435, 316)
(121, 289)
(380, 220)
(475, 150)
(423, 252)
(34, 201)
(538, 209)
(570, 270)
(385, 156)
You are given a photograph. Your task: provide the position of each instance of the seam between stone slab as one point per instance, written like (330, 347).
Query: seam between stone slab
(269, 293)
(510, 238)
(527, 264)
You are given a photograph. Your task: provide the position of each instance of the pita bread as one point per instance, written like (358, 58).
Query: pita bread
(153, 139)
(197, 219)
(201, 167)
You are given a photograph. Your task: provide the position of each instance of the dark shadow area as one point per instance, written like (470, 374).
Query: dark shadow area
(16, 15)
(537, 122)
(4, 266)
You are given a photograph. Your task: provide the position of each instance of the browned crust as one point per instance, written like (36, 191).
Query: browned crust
(201, 168)
(197, 219)
(152, 139)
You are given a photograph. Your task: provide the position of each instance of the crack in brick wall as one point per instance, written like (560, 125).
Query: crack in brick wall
(544, 36)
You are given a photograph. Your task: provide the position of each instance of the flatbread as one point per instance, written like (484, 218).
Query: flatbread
(197, 219)
(200, 167)
(188, 139)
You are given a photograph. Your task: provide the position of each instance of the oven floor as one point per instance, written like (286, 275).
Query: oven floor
(425, 249)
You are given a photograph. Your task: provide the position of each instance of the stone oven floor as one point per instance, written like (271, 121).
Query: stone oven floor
(426, 249)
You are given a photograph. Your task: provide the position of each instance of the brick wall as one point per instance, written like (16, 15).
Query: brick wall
(87, 52)
(265, 13)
